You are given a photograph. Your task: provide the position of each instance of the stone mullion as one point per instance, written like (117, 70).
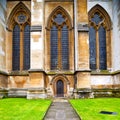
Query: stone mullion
(59, 50)
(21, 50)
(97, 50)
(108, 49)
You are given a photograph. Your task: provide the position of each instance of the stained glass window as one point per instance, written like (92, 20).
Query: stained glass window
(92, 44)
(65, 49)
(54, 47)
(59, 19)
(26, 63)
(21, 18)
(100, 41)
(102, 48)
(59, 44)
(16, 48)
(97, 19)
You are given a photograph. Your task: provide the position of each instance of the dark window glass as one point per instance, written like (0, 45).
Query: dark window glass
(65, 49)
(54, 47)
(96, 18)
(26, 60)
(102, 48)
(59, 19)
(63, 45)
(21, 18)
(102, 44)
(16, 48)
(92, 44)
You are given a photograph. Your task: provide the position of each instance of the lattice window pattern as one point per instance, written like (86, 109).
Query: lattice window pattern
(54, 47)
(100, 40)
(59, 44)
(92, 44)
(16, 48)
(65, 49)
(102, 47)
(26, 63)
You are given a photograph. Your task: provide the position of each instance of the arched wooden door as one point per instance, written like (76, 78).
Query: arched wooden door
(60, 88)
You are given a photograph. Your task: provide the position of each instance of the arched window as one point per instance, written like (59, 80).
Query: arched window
(99, 29)
(19, 24)
(59, 40)
(59, 44)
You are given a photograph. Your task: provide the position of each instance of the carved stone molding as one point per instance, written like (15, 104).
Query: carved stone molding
(36, 28)
(82, 27)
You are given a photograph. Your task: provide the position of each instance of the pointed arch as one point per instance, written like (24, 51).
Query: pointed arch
(19, 8)
(54, 81)
(102, 13)
(59, 10)
(99, 38)
(19, 39)
(59, 42)
(59, 76)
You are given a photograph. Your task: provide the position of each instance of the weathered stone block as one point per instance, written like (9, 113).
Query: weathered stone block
(36, 93)
(17, 92)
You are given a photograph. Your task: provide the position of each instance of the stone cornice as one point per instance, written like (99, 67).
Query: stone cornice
(36, 70)
(36, 28)
(59, 0)
(82, 28)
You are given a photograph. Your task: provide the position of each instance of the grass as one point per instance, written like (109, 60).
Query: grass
(89, 109)
(23, 109)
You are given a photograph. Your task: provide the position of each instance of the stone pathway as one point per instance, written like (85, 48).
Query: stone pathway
(61, 110)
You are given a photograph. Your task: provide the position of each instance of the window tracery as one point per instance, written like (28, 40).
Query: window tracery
(59, 43)
(19, 24)
(59, 26)
(99, 29)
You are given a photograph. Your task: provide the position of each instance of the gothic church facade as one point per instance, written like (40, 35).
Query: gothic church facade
(60, 48)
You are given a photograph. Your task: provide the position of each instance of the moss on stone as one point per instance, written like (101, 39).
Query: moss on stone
(101, 72)
(19, 73)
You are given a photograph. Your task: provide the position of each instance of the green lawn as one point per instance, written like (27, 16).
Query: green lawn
(89, 109)
(23, 109)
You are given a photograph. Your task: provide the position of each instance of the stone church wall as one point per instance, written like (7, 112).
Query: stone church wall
(37, 45)
(2, 34)
(39, 81)
(116, 35)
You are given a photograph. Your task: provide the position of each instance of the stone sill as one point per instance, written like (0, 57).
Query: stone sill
(19, 73)
(104, 72)
(60, 72)
(106, 89)
(3, 72)
(101, 72)
(26, 72)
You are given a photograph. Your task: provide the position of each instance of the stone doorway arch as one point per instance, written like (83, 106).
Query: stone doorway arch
(60, 85)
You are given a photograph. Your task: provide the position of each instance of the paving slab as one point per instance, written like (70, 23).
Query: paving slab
(61, 110)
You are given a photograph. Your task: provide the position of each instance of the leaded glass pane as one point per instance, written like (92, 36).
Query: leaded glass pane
(59, 19)
(92, 44)
(21, 18)
(54, 47)
(26, 60)
(16, 48)
(102, 47)
(65, 48)
(96, 18)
